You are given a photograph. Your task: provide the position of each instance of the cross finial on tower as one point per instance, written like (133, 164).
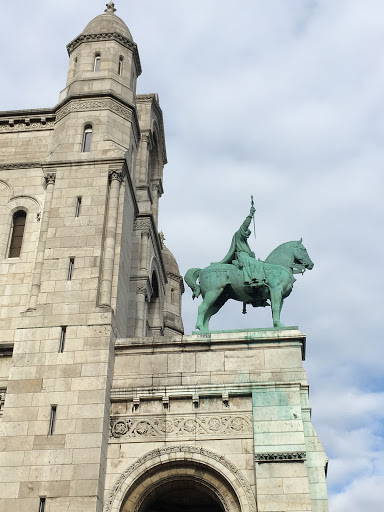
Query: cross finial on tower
(110, 7)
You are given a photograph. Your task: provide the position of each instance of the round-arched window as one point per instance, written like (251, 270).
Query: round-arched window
(18, 226)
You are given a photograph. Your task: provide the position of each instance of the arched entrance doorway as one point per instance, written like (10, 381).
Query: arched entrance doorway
(182, 495)
(181, 486)
(181, 478)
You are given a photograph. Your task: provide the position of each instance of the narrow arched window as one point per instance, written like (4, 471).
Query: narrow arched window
(120, 68)
(18, 226)
(87, 139)
(96, 65)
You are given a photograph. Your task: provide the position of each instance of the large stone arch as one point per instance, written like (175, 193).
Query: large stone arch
(192, 463)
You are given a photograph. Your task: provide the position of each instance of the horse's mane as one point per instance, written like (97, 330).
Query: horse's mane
(276, 255)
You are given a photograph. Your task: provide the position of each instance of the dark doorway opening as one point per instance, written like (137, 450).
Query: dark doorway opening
(182, 496)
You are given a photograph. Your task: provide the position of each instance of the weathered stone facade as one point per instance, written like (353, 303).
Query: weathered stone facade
(104, 403)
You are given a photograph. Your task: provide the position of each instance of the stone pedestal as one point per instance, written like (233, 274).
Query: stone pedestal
(224, 413)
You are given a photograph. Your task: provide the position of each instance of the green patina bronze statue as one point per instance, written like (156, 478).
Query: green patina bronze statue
(240, 276)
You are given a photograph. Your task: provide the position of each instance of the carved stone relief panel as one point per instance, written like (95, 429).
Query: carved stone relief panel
(280, 457)
(171, 426)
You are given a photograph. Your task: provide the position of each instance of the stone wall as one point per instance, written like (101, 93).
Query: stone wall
(242, 396)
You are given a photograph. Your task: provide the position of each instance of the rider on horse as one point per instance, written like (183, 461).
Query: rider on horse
(241, 256)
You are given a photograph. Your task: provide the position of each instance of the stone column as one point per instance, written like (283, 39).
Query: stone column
(141, 298)
(143, 169)
(156, 194)
(50, 179)
(115, 178)
(144, 252)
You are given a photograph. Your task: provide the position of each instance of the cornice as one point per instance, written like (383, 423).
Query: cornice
(107, 36)
(31, 112)
(20, 165)
(188, 391)
(22, 124)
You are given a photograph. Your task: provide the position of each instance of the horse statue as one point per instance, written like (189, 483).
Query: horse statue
(241, 277)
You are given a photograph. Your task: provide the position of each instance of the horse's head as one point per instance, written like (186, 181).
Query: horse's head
(301, 255)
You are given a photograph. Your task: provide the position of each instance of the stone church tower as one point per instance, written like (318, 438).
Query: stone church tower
(104, 403)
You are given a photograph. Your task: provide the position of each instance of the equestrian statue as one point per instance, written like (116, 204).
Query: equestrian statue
(240, 276)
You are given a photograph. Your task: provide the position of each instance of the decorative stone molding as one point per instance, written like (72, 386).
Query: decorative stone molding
(5, 189)
(143, 290)
(145, 137)
(280, 457)
(175, 277)
(30, 204)
(115, 175)
(107, 36)
(142, 224)
(50, 178)
(228, 425)
(2, 400)
(157, 186)
(20, 165)
(195, 454)
(23, 125)
(95, 104)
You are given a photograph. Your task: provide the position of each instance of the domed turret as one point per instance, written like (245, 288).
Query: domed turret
(174, 288)
(96, 115)
(103, 58)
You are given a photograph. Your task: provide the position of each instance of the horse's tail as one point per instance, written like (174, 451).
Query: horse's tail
(190, 278)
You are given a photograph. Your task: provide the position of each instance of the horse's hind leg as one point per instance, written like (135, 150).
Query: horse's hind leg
(205, 309)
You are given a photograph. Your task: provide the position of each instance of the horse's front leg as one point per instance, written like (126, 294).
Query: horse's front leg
(276, 294)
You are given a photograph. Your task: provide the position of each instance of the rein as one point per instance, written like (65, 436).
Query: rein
(297, 268)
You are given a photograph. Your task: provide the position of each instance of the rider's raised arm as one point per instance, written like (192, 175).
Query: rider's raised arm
(248, 219)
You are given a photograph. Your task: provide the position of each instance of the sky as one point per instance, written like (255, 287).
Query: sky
(282, 99)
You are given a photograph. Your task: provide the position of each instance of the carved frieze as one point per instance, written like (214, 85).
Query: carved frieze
(142, 224)
(280, 457)
(217, 425)
(20, 165)
(26, 125)
(95, 104)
